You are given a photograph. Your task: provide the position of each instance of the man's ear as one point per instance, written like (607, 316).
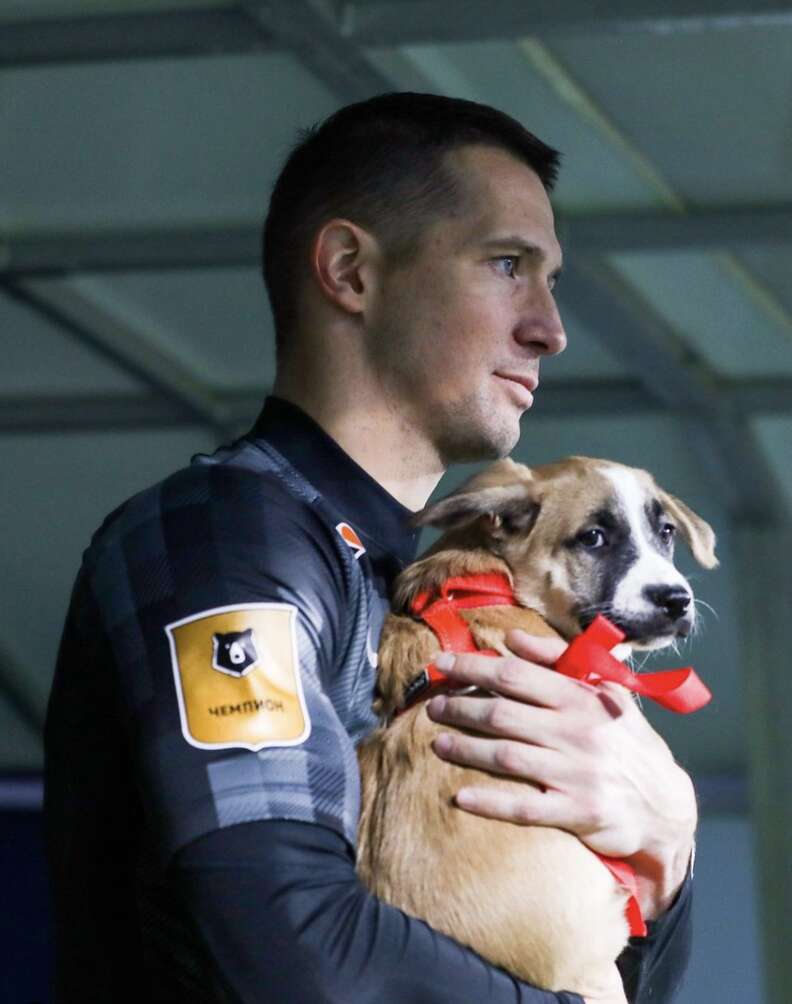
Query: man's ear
(343, 257)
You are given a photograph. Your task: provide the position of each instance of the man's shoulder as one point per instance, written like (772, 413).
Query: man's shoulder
(240, 489)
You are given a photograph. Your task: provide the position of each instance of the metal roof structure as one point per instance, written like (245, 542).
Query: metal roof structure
(138, 143)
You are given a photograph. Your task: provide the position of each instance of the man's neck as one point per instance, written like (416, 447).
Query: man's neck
(375, 436)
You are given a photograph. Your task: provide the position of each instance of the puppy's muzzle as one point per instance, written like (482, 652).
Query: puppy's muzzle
(673, 601)
(671, 616)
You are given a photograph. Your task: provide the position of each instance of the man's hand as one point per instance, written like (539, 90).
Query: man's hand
(605, 774)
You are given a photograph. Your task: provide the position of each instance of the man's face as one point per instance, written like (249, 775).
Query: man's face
(473, 308)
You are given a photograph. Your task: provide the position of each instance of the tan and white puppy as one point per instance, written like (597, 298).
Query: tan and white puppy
(575, 538)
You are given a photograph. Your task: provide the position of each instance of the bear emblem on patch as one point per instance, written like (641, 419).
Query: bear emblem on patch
(234, 652)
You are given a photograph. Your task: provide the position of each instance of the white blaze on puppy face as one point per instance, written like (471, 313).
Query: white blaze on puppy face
(652, 568)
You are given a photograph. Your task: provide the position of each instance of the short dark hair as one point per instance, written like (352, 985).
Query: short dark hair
(379, 163)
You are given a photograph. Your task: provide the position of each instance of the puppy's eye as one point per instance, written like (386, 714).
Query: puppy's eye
(667, 531)
(592, 538)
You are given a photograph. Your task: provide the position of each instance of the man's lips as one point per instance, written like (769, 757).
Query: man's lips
(523, 386)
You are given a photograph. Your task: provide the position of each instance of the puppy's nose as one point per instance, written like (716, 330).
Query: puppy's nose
(673, 599)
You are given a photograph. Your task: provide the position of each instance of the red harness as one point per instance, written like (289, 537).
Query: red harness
(587, 658)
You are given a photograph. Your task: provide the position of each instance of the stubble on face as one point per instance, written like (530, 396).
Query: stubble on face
(471, 430)
(463, 426)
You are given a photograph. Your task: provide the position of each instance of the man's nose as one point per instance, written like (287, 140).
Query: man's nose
(541, 325)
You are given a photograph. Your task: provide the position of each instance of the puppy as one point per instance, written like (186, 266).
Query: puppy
(574, 538)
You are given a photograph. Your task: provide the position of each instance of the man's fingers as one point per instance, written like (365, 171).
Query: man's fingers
(531, 807)
(542, 650)
(513, 677)
(504, 756)
(493, 716)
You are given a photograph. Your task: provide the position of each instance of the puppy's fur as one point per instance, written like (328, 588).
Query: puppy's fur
(574, 538)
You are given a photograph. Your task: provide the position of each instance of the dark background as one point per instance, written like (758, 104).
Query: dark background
(25, 920)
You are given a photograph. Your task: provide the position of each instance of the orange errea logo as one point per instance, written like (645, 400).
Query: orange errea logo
(350, 537)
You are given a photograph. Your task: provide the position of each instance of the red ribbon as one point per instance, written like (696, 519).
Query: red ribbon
(586, 658)
(625, 876)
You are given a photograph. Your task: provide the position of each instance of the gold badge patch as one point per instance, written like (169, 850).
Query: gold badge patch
(237, 677)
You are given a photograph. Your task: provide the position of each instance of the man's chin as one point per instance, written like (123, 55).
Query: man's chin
(467, 449)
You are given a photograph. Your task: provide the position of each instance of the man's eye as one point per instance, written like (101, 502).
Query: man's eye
(592, 538)
(512, 260)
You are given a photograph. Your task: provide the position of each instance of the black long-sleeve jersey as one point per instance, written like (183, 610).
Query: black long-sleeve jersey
(215, 674)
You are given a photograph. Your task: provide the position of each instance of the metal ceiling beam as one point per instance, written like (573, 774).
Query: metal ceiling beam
(407, 22)
(145, 35)
(199, 32)
(65, 413)
(129, 249)
(671, 373)
(762, 397)
(747, 397)
(75, 313)
(701, 230)
(309, 30)
(239, 245)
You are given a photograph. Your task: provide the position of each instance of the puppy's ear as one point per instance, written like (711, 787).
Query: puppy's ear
(697, 532)
(507, 509)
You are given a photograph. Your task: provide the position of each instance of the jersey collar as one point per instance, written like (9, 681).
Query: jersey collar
(361, 500)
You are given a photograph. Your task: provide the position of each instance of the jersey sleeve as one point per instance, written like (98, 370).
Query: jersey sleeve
(222, 601)
(284, 918)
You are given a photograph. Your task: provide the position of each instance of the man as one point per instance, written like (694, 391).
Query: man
(217, 664)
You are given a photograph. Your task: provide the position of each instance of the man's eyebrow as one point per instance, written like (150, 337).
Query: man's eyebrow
(516, 241)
